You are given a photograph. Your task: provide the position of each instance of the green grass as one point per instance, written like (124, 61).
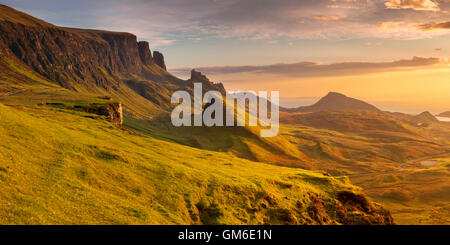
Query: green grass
(415, 195)
(13, 74)
(385, 164)
(61, 168)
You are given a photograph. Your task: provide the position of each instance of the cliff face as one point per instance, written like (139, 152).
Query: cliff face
(71, 56)
(159, 59)
(3, 49)
(145, 53)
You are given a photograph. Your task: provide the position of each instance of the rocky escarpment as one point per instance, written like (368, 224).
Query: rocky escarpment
(159, 59)
(145, 53)
(72, 56)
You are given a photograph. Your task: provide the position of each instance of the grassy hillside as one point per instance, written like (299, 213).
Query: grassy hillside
(350, 142)
(14, 16)
(60, 167)
(243, 142)
(384, 156)
(416, 194)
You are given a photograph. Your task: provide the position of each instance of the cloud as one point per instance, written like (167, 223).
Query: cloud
(389, 24)
(162, 22)
(426, 5)
(435, 26)
(315, 69)
(336, 6)
(329, 17)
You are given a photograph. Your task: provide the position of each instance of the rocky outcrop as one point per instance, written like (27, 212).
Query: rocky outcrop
(145, 53)
(357, 209)
(198, 76)
(159, 59)
(350, 208)
(207, 85)
(112, 111)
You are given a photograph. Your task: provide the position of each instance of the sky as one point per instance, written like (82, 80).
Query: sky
(391, 52)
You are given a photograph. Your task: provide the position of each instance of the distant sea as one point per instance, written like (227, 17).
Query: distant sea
(443, 119)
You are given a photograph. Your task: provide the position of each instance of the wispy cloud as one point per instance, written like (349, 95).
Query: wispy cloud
(329, 17)
(390, 24)
(315, 69)
(163, 22)
(426, 5)
(435, 26)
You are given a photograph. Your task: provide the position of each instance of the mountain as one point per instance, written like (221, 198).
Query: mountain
(336, 102)
(424, 118)
(62, 163)
(444, 114)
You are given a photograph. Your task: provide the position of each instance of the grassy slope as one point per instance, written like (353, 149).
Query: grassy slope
(349, 144)
(240, 141)
(358, 142)
(415, 194)
(14, 16)
(58, 167)
(386, 164)
(369, 153)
